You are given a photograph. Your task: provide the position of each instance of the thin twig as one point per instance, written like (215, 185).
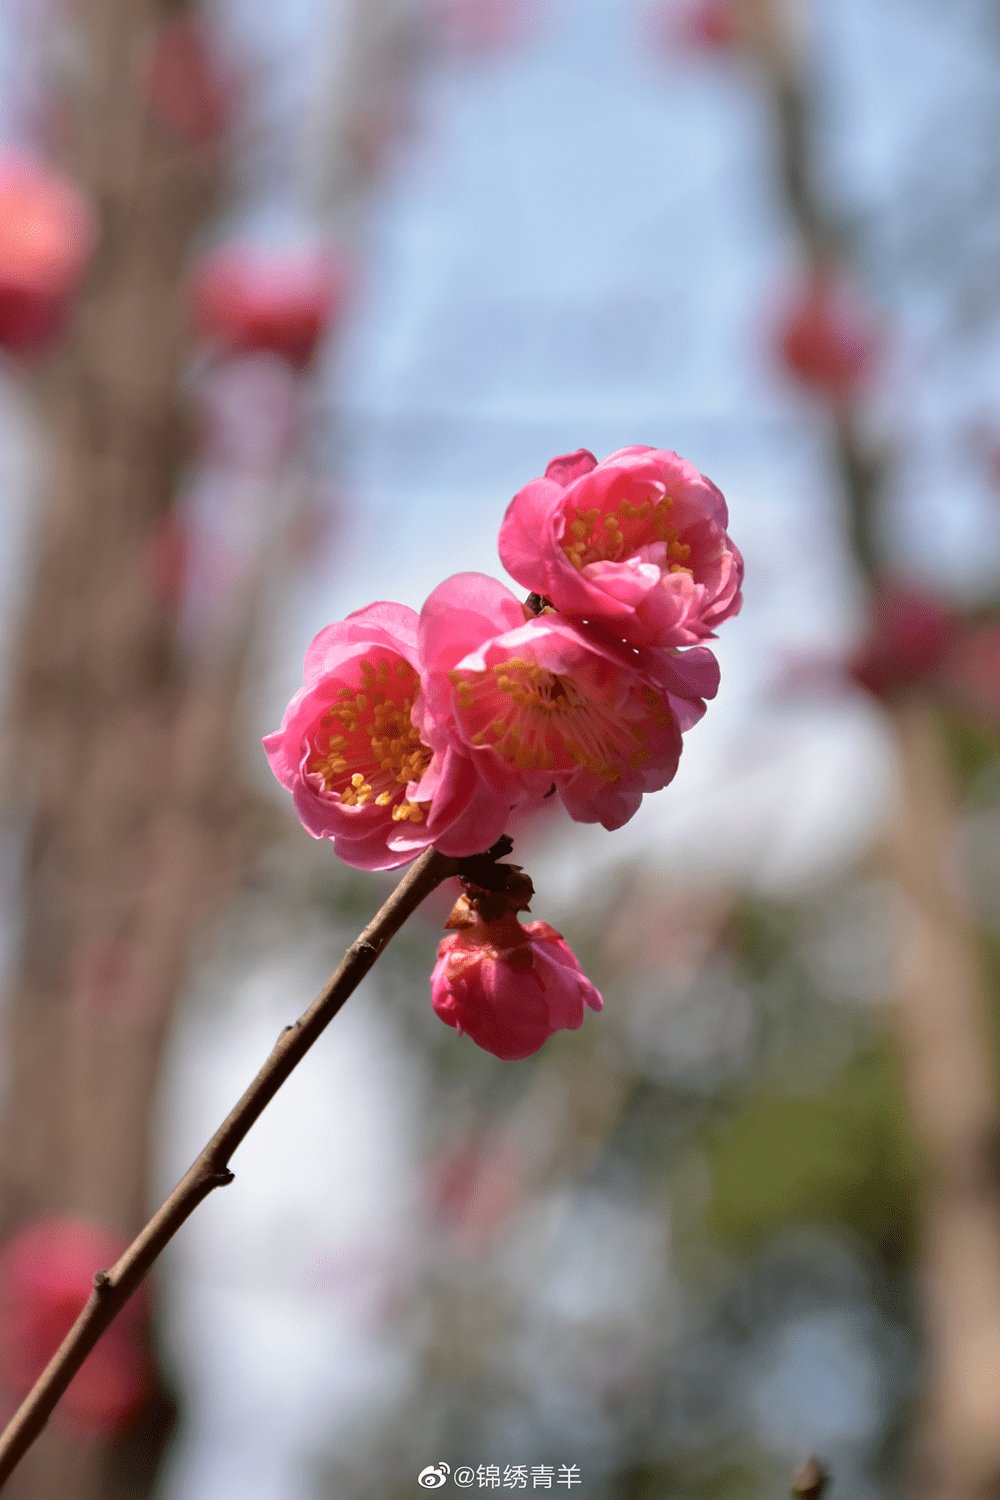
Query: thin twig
(113, 1288)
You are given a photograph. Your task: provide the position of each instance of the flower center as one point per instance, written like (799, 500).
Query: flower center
(537, 720)
(613, 533)
(365, 748)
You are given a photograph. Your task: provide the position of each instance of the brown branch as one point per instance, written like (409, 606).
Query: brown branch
(113, 1288)
(940, 1017)
(942, 1028)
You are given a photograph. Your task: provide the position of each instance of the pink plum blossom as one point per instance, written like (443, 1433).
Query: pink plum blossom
(535, 703)
(355, 763)
(636, 545)
(508, 986)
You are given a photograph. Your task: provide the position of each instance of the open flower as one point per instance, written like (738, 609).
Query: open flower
(352, 758)
(508, 986)
(535, 703)
(636, 545)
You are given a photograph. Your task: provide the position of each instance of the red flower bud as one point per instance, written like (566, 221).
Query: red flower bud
(509, 987)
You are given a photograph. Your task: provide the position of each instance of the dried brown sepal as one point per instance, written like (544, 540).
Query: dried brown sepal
(509, 890)
(461, 915)
(492, 890)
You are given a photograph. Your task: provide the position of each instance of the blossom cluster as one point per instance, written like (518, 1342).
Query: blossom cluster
(431, 729)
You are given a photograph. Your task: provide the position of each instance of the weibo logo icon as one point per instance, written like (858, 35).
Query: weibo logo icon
(433, 1478)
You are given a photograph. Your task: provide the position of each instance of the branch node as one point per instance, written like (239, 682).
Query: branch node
(367, 948)
(223, 1178)
(102, 1282)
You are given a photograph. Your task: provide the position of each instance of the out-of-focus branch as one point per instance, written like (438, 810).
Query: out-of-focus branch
(113, 1288)
(774, 29)
(940, 1015)
(121, 753)
(943, 1035)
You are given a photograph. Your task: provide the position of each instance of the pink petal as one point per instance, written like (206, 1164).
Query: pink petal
(522, 542)
(570, 466)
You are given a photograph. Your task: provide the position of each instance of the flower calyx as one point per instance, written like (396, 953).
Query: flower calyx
(491, 891)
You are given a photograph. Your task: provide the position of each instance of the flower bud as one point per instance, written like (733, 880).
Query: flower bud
(508, 986)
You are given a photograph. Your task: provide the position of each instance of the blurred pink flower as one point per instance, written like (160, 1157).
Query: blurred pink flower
(480, 25)
(247, 298)
(185, 93)
(535, 703)
(46, 1275)
(474, 1187)
(47, 236)
(636, 545)
(910, 633)
(507, 986)
(828, 340)
(359, 771)
(711, 25)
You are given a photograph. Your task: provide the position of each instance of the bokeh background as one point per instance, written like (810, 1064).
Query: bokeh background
(342, 278)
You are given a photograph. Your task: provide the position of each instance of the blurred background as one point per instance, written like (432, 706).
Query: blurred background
(293, 299)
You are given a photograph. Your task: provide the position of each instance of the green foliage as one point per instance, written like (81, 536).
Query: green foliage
(763, 936)
(973, 744)
(838, 1157)
(708, 1475)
